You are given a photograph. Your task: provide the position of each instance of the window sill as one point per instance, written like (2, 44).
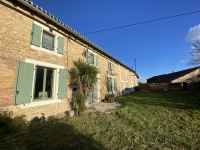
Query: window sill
(93, 65)
(45, 50)
(40, 103)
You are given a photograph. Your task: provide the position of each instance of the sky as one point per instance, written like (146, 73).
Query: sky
(159, 47)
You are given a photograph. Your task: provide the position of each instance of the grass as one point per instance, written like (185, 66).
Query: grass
(146, 120)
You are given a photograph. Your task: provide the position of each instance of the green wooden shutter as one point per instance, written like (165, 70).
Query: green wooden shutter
(24, 80)
(88, 57)
(112, 66)
(95, 93)
(63, 82)
(115, 84)
(97, 61)
(36, 35)
(91, 58)
(109, 84)
(111, 88)
(60, 46)
(108, 65)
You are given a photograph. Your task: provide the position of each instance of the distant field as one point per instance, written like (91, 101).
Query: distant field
(147, 120)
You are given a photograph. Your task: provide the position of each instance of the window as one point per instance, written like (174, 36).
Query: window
(111, 84)
(92, 58)
(46, 39)
(110, 66)
(34, 83)
(44, 79)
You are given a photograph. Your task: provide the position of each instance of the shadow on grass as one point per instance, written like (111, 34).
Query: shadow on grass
(56, 135)
(180, 100)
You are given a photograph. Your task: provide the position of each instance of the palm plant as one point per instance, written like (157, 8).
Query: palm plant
(84, 76)
(79, 98)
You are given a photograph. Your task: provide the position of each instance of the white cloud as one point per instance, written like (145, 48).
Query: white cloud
(182, 61)
(193, 33)
(142, 80)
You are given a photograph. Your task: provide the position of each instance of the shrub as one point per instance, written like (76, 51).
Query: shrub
(11, 125)
(79, 98)
(137, 88)
(107, 96)
(5, 120)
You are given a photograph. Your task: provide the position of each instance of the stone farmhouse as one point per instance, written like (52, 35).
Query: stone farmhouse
(185, 77)
(176, 77)
(36, 50)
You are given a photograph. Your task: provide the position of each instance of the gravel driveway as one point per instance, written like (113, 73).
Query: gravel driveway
(102, 107)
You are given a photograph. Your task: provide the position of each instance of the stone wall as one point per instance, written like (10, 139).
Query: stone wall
(16, 23)
(76, 50)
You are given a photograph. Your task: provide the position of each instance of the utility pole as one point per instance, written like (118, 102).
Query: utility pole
(135, 64)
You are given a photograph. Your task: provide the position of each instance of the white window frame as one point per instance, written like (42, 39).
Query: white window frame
(94, 62)
(111, 66)
(55, 34)
(54, 38)
(52, 100)
(113, 90)
(95, 54)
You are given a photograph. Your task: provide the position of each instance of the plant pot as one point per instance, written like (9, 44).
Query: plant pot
(109, 100)
(71, 113)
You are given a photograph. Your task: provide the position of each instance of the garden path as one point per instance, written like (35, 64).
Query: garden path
(102, 107)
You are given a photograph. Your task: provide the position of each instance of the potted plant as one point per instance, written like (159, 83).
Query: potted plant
(109, 97)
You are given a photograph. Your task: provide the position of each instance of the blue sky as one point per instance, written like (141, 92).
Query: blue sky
(165, 37)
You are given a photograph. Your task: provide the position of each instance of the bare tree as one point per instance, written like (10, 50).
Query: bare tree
(195, 51)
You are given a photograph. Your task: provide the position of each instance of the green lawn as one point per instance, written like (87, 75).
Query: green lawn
(147, 120)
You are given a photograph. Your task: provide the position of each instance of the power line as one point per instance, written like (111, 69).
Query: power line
(148, 21)
(163, 55)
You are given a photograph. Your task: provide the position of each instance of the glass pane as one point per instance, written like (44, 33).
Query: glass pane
(49, 84)
(47, 40)
(91, 58)
(39, 82)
